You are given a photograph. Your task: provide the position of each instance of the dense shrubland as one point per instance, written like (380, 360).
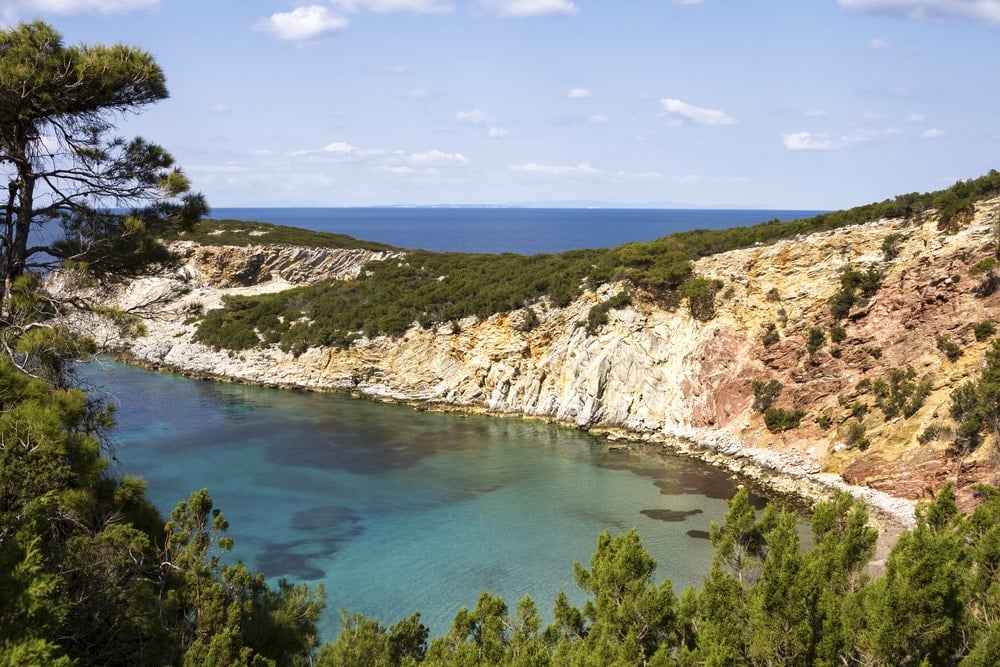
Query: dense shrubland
(437, 288)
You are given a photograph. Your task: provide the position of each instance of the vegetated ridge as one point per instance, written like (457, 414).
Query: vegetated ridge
(855, 346)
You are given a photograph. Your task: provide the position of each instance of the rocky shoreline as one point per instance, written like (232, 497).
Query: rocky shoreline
(782, 474)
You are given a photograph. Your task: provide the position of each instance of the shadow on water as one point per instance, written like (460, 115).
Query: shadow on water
(676, 475)
(670, 515)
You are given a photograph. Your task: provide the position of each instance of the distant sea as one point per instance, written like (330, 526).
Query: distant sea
(526, 231)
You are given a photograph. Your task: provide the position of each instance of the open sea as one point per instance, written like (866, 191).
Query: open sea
(526, 231)
(396, 510)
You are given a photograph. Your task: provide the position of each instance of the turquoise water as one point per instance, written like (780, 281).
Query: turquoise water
(397, 510)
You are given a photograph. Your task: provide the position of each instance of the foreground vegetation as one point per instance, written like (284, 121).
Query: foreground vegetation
(432, 289)
(90, 574)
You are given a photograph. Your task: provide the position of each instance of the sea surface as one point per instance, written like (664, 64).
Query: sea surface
(525, 231)
(396, 510)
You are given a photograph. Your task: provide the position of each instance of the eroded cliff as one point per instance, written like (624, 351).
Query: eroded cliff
(652, 373)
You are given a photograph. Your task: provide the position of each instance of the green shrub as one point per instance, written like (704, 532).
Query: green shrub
(890, 246)
(700, 293)
(900, 393)
(984, 330)
(950, 348)
(855, 287)
(598, 314)
(773, 295)
(933, 431)
(779, 419)
(764, 394)
(770, 335)
(838, 333)
(855, 437)
(815, 340)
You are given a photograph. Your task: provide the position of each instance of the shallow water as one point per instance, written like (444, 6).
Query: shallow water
(396, 510)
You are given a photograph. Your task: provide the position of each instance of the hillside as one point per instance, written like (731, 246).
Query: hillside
(864, 398)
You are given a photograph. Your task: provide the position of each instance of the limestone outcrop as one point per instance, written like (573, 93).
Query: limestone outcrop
(649, 373)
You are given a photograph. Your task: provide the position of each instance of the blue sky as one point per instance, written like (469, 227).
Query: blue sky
(807, 104)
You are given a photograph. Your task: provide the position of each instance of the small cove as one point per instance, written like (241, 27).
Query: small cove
(397, 510)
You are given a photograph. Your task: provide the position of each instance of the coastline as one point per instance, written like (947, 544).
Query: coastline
(780, 474)
(649, 376)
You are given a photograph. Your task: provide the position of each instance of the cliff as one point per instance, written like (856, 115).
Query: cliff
(652, 373)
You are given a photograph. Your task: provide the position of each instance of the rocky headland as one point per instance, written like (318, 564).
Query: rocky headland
(650, 374)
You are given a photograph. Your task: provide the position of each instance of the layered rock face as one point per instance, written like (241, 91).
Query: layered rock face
(650, 373)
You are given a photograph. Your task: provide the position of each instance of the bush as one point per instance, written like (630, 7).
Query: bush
(770, 335)
(598, 315)
(949, 347)
(855, 438)
(764, 394)
(855, 286)
(778, 419)
(900, 394)
(815, 340)
(700, 293)
(933, 431)
(837, 333)
(984, 330)
(890, 246)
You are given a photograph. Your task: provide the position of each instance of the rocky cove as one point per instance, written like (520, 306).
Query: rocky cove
(650, 375)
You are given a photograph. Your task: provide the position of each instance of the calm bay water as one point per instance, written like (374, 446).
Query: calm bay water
(525, 231)
(396, 510)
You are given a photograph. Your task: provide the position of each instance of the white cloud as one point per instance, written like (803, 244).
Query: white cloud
(527, 8)
(578, 94)
(987, 11)
(932, 133)
(879, 44)
(394, 6)
(475, 117)
(70, 7)
(437, 158)
(806, 141)
(699, 115)
(498, 133)
(416, 93)
(598, 119)
(220, 108)
(915, 118)
(581, 169)
(341, 151)
(302, 23)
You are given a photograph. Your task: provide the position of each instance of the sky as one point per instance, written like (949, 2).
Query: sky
(793, 104)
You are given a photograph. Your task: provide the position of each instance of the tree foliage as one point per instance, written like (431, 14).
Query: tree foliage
(77, 194)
